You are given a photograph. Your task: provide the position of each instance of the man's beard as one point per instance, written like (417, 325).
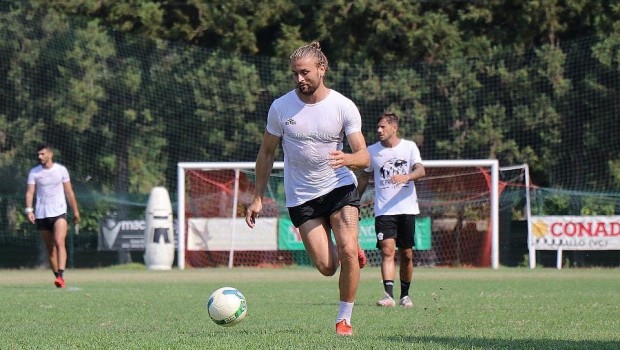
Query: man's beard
(309, 89)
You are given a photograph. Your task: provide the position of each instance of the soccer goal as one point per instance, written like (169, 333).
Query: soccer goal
(458, 224)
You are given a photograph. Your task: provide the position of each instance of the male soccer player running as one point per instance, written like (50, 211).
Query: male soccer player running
(312, 121)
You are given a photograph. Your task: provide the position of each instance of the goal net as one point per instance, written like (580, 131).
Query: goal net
(457, 226)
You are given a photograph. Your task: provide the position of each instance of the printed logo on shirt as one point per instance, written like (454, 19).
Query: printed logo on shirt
(290, 122)
(392, 167)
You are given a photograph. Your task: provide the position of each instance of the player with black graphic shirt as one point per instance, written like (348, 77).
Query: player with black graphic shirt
(396, 164)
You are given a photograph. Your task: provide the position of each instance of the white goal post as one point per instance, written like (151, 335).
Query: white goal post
(527, 210)
(182, 167)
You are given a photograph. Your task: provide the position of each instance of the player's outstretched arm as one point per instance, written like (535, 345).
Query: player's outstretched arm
(29, 200)
(264, 164)
(72, 202)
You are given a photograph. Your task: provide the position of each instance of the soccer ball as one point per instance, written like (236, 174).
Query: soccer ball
(227, 306)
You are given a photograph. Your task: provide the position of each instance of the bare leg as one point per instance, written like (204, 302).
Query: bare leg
(60, 233)
(388, 265)
(406, 264)
(345, 223)
(316, 236)
(48, 239)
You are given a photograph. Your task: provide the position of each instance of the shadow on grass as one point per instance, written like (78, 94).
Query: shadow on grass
(477, 343)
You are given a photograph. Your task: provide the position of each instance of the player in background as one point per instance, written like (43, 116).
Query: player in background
(321, 195)
(51, 183)
(396, 164)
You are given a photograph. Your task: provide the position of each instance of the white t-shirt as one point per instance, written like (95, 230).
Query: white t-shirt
(309, 132)
(391, 198)
(50, 191)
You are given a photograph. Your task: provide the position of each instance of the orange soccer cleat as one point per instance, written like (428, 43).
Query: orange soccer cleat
(344, 329)
(59, 282)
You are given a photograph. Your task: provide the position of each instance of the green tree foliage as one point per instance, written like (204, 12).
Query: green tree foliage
(129, 88)
(233, 26)
(216, 81)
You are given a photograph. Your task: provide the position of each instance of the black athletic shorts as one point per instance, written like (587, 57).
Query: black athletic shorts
(399, 227)
(48, 223)
(325, 205)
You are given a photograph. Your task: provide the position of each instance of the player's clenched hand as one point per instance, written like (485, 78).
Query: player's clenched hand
(253, 212)
(400, 179)
(337, 159)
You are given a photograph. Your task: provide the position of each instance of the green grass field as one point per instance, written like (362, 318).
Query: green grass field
(129, 307)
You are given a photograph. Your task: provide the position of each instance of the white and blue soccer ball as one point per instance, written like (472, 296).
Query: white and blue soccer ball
(227, 306)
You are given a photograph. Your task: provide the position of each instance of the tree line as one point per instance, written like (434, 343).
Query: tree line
(126, 89)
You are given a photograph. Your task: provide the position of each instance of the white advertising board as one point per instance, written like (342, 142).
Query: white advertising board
(215, 234)
(575, 232)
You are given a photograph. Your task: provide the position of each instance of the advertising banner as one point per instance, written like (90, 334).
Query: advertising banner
(115, 233)
(216, 234)
(575, 232)
(289, 238)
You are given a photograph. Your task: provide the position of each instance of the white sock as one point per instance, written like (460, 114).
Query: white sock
(344, 312)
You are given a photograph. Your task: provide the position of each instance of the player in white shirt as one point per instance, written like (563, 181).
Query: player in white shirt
(396, 164)
(52, 184)
(312, 122)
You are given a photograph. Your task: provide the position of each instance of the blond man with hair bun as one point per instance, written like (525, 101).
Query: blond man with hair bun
(312, 121)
